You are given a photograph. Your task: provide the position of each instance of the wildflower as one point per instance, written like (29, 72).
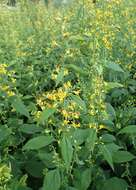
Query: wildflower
(3, 69)
(5, 174)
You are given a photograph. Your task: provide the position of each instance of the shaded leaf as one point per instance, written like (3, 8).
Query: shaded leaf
(38, 142)
(107, 155)
(131, 129)
(66, 151)
(115, 183)
(52, 180)
(19, 106)
(46, 114)
(122, 156)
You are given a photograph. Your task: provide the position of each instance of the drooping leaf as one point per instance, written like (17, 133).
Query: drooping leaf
(19, 106)
(4, 133)
(46, 114)
(111, 112)
(91, 139)
(60, 77)
(106, 154)
(52, 180)
(77, 69)
(66, 151)
(83, 178)
(38, 142)
(112, 147)
(115, 183)
(35, 168)
(131, 129)
(108, 138)
(114, 67)
(30, 128)
(122, 156)
(80, 135)
(110, 85)
(79, 102)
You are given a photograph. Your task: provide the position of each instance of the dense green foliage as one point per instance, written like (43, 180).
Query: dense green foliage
(67, 96)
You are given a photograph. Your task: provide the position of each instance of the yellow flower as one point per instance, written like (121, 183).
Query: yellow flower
(65, 72)
(67, 85)
(102, 127)
(3, 69)
(76, 125)
(10, 93)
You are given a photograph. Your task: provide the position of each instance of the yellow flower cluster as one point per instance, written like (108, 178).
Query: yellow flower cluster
(6, 89)
(5, 174)
(3, 69)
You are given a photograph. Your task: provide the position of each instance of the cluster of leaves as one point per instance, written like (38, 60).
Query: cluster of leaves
(67, 96)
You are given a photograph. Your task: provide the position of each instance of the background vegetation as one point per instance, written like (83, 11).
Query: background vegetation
(67, 96)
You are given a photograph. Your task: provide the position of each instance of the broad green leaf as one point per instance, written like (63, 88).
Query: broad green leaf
(79, 102)
(109, 125)
(91, 139)
(131, 129)
(66, 150)
(107, 155)
(111, 112)
(19, 106)
(110, 85)
(23, 188)
(46, 114)
(35, 168)
(4, 133)
(38, 142)
(47, 158)
(80, 135)
(107, 138)
(122, 156)
(77, 70)
(52, 180)
(60, 77)
(30, 128)
(83, 178)
(115, 183)
(112, 147)
(114, 67)
(71, 188)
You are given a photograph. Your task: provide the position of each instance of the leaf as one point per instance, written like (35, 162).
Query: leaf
(113, 66)
(122, 156)
(109, 125)
(77, 69)
(47, 158)
(107, 155)
(131, 129)
(80, 135)
(83, 178)
(111, 112)
(79, 102)
(111, 85)
(52, 180)
(60, 77)
(66, 151)
(4, 133)
(38, 142)
(115, 183)
(19, 106)
(46, 114)
(112, 147)
(107, 138)
(30, 128)
(71, 188)
(35, 168)
(91, 140)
